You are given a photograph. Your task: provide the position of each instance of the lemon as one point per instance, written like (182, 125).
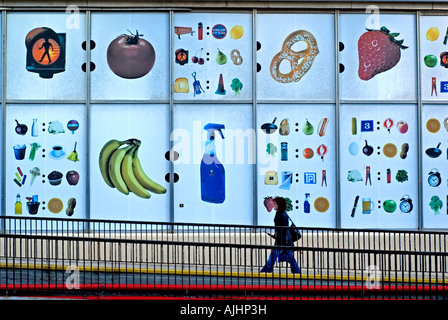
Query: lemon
(432, 34)
(236, 32)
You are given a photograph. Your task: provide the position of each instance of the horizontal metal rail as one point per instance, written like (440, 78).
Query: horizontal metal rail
(192, 261)
(223, 233)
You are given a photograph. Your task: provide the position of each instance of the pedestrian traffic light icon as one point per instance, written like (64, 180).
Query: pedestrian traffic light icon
(45, 52)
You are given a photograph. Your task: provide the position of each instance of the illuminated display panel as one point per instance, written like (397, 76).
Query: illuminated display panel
(295, 57)
(380, 64)
(378, 165)
(371, 144)
(46, 56)
(297, 160)
(32, 40)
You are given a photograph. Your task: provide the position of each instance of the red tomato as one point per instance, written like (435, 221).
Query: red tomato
(130, 56)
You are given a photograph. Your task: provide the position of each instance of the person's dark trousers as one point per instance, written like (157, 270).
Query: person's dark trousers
(282, 255)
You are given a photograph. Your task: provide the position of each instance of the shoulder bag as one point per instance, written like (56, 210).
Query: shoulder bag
(295, 233)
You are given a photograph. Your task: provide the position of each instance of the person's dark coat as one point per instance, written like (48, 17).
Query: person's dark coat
(282, 235)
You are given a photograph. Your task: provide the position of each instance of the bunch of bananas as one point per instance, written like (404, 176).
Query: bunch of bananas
(121, 169)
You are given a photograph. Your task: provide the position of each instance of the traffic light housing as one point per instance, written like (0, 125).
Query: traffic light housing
(45, 52)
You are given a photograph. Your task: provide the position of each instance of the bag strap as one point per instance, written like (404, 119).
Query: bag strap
(292, 222)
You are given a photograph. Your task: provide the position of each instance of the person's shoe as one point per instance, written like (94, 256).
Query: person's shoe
(266, 269)
(295, 270)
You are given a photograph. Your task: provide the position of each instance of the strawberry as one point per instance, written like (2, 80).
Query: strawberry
(268, 203)
(378, 51)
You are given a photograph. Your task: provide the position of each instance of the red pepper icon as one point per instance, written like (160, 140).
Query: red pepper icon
(322, 150)
(388, 123)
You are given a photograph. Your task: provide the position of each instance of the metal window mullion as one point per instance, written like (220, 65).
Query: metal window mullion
(336, 114)
(254, 116)
(3, 132)
(171, 115)
(88, 110)
(419, 127)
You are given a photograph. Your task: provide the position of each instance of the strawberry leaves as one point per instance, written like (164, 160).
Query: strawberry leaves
(391, 36)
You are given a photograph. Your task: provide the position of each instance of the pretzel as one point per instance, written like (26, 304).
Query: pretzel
(236, 57)
(298, 70)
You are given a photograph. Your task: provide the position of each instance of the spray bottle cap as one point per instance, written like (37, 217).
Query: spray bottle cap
(215, 126)
(307, 194)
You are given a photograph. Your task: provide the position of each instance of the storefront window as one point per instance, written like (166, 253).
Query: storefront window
(434, 57)
(131, 56)
(214, 168)
(379, 64)
(379, 166)
(296, 160)
(228, 110)
(45, 59)
(434, 173)
(378, 142)
(145, 127)
(46, 159)
(212, 56)
(434, 119)
(295, 57)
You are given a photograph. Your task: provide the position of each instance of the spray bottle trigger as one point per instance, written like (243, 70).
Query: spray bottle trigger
(215, 126)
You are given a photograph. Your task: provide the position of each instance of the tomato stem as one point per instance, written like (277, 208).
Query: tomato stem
(133, 38)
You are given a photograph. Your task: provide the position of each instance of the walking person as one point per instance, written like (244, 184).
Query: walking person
(282, 238)
(46, 46)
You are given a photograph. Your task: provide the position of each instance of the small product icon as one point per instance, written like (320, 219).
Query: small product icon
(45, 52)
(181, 56)
(219, 31)
(406, 204)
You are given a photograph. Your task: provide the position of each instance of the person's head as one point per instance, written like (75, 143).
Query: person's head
(279, 204)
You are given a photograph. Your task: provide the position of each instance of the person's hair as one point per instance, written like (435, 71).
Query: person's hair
(281, 203)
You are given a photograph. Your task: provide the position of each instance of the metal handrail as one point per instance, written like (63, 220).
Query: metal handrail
(173, 253)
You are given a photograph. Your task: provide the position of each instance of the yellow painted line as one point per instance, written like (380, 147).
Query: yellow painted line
(211, 273)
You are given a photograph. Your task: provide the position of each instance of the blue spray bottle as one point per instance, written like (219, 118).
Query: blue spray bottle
(306, 204)
(212, 170)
